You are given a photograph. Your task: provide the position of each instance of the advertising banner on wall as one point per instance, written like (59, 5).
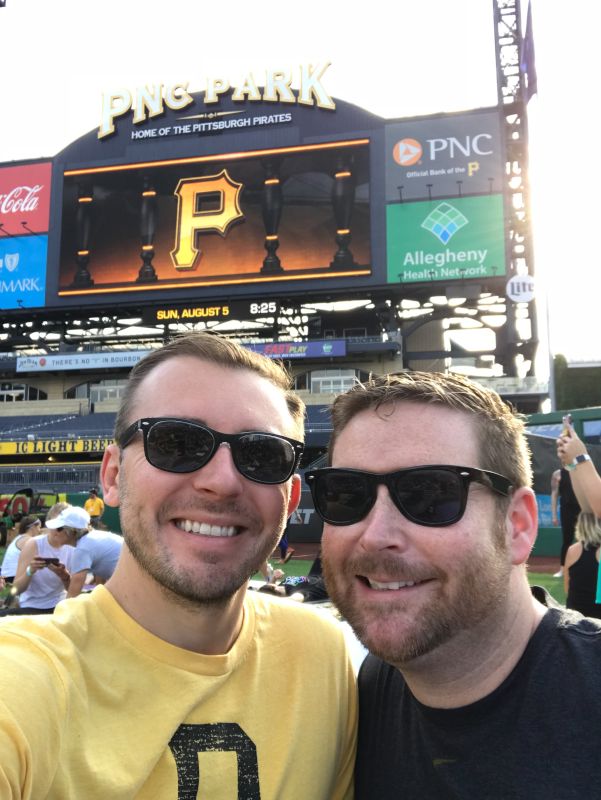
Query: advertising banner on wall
(23, 271)
(79, 361)
(324, 349)
(25, 198)
(450, 156)
(55, 446)
(24, 219)
(445, 241)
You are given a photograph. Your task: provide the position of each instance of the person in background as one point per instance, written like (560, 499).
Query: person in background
(5, 527)
(429, 521)
(305, 588)
(583, 474)
(96, 552)
(565, 510)
(42, 577)
(582, 567)
(270, 575)
(94, 505)
(172, 679)
(28, 526)
(302, 588)
(286, 552)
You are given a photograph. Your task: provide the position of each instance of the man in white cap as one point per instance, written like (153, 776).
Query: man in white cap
(96, 552)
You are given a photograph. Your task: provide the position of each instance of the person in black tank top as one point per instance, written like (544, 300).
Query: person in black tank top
(582, 567)
(562, 491)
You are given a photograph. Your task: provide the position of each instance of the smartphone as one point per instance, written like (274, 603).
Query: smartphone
(567, 424)
(48, 561)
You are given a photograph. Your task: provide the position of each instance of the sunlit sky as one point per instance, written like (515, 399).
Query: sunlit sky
(403, 59)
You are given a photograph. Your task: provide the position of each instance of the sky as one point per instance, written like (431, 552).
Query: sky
(58, 57)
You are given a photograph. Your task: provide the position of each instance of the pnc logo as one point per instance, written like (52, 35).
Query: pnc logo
(407, 152)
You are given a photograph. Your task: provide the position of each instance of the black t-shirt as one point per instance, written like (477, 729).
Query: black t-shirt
(583, 584)
(567, 496)
(536, 736)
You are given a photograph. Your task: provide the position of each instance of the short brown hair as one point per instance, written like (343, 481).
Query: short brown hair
(218, 350)
(502, 443)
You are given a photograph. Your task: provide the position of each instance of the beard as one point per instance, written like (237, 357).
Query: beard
(206, 580)
(400, 631)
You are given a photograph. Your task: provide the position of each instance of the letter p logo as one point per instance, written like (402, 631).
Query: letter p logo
(192, 219)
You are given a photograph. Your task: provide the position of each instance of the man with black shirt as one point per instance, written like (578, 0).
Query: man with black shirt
(476, 688)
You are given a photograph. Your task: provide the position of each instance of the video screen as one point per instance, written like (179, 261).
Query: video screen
(288, 214)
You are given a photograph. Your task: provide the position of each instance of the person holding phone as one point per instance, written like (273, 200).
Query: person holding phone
(585, 479)
(42, 576)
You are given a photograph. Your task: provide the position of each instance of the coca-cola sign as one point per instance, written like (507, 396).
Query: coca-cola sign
(21, 198)
(25, 199)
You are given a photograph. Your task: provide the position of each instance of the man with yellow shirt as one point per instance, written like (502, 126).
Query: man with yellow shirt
(94, 505)
(172, 680)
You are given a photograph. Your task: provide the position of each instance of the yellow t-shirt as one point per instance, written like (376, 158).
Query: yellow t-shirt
(94, 706)
(94, 506)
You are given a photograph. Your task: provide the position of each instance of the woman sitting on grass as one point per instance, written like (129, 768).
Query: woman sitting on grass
(582, 566)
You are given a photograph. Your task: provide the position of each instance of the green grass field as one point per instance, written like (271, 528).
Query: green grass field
(553, 585)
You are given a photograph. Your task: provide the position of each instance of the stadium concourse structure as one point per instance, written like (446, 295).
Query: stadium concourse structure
(303, 226)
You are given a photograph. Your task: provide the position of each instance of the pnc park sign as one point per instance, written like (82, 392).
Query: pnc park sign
(148, 102)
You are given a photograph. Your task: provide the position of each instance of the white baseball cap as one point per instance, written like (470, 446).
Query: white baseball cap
(71, 517)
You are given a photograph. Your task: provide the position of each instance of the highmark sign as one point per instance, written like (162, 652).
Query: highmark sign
(446, 240)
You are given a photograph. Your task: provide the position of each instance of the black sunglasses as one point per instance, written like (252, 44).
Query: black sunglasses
(177, 445)
(432, 496)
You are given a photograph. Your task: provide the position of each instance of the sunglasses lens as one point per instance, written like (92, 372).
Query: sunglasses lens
(264, 458)
(178, 447)
(343, 498)
(430, 496)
